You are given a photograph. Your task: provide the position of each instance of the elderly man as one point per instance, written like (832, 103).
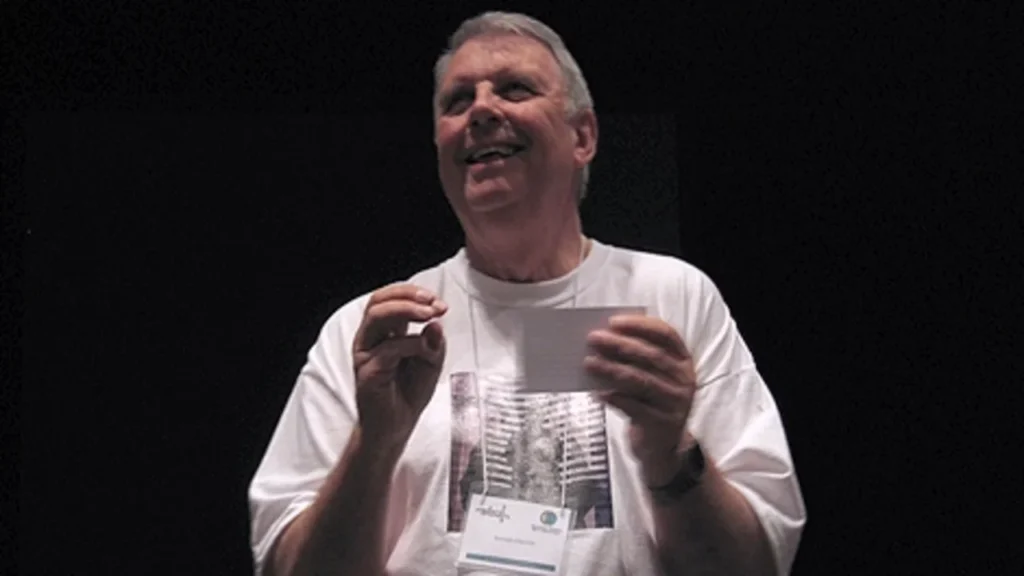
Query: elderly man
(410, 408)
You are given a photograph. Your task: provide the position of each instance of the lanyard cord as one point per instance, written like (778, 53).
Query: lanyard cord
(482, 405)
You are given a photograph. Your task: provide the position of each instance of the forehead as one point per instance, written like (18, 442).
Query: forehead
(485, 56)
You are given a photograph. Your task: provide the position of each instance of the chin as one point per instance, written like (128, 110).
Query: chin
(489, 196)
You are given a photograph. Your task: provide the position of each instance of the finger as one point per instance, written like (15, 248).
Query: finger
(405, 292)
(637, 411)
(654, 330)
(380, 363)
(392, 318)
(634, 350)
(400, 292)
(631, 381)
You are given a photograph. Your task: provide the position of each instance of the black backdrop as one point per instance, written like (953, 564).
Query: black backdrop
(189, 194)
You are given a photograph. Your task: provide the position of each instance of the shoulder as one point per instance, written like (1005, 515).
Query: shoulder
(684, 296)
(659, 274)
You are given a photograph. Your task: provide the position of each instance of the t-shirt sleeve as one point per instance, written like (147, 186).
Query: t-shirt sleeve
(312, 432)
(738, 423)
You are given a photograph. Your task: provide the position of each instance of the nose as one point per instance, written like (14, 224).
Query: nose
(484, 112)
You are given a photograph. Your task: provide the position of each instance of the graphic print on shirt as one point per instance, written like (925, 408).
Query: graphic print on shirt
(522, 446)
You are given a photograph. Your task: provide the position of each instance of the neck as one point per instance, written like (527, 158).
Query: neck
(522, 257)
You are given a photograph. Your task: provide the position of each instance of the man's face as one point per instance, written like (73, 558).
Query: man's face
(504, 142)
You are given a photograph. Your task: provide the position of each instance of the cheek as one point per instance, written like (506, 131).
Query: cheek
(450, 176)
(545, 139)
(445, 165)
(446, 141)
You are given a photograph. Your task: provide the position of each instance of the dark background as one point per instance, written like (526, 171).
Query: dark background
(188, 193)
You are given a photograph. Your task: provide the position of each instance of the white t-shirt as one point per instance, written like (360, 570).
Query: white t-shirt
(733, 416)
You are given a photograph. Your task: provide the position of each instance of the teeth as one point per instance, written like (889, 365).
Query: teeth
(504, 151)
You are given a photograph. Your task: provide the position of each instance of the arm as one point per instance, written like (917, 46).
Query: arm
(710, 528)
(344, 527)
(746, 513)
(703, 525)
(318, 501)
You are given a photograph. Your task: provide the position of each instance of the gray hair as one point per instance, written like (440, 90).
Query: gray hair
(578, 95)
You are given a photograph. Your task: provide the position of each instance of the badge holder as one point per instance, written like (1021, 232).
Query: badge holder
(514, 537)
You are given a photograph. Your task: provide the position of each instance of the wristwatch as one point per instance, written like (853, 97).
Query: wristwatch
(689, 476)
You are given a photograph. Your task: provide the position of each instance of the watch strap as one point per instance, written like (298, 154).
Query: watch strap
(686, 479)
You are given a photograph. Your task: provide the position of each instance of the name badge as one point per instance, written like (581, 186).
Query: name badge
(513, 536)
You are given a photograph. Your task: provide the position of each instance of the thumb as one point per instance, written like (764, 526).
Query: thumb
(425, 371)
(433, 343)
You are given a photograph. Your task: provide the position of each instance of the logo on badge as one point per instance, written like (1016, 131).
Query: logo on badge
(548, 518)
(494, 512)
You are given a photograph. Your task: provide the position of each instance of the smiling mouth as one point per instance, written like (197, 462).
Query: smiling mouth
(493, 153)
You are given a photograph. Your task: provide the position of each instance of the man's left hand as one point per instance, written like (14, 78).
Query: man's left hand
(648, 374)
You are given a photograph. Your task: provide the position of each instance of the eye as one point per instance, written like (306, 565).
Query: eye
(516, 90)
(456, 102)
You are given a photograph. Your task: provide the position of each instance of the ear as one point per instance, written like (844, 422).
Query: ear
(584, 125)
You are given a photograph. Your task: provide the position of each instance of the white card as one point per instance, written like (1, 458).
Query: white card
(555, 344)
(512, 536)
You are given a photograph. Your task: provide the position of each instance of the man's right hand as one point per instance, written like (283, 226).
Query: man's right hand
(396, 373)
